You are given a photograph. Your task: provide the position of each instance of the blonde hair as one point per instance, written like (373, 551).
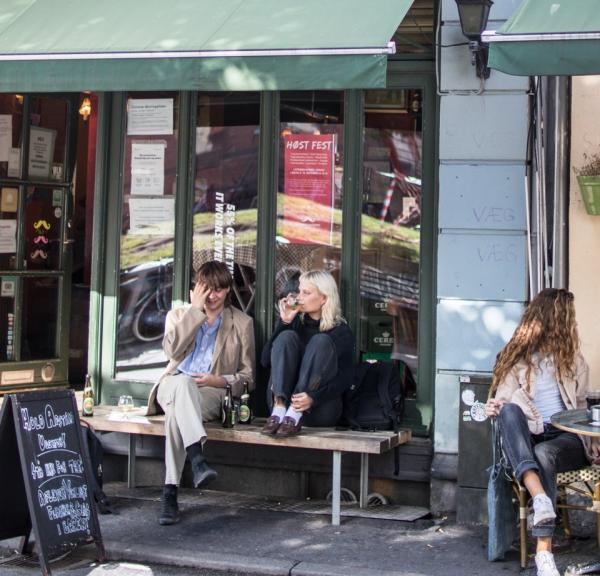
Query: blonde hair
(548, 326)
(331, 312)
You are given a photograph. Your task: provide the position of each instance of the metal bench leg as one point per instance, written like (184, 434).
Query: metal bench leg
(364, 480)
(336, 485)
(131, 462)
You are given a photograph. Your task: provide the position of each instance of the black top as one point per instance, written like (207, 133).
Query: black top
(343, 341)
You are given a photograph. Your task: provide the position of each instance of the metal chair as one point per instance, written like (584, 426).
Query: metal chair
(565, 481)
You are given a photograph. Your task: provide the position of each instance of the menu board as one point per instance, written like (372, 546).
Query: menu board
(45, 483)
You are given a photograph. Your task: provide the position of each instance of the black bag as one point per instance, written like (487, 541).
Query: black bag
(375, 400)
(95, 453)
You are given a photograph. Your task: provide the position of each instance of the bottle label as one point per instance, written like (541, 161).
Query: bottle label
(244, 413)
(88, 406)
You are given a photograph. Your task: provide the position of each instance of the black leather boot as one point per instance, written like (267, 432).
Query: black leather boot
(203, 473)
(169, 510)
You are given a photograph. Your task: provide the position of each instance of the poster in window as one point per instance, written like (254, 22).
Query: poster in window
(148, 168)
(309, 170)
(149, 116)
(5, 136)
(41, 152)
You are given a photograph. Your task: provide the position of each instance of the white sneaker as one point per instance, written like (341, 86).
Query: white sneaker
(543, 511)
(545, 564)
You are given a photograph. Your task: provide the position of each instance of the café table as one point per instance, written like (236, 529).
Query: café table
(579, 422)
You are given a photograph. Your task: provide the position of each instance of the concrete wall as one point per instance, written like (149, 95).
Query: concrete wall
(482, 266)
(584, 230)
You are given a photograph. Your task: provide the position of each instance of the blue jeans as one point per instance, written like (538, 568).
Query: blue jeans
(548, 453)
(296, 368)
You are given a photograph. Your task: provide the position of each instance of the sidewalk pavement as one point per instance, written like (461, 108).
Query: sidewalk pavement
(266, 542)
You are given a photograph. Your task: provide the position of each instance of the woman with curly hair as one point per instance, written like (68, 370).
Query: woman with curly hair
(540, 372)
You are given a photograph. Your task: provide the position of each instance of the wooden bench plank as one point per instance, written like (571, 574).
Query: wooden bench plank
(311, 438)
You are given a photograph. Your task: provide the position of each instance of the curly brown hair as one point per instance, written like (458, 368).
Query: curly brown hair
(548, 326)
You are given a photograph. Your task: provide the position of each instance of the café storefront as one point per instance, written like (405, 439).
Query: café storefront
(275, 137)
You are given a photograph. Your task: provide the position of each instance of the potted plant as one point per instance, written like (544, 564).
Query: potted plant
(588, 177)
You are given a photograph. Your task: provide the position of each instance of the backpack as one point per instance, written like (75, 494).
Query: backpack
(92, 448)
(375, 400)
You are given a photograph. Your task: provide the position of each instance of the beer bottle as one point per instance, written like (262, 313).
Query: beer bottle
(227, 413)
(87, 405)
(245, 410)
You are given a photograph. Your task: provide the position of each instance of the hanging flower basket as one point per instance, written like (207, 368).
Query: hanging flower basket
(588, 177)
(590, 192)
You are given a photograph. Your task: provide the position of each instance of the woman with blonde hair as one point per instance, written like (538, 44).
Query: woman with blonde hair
(311, 356)
(540, 372)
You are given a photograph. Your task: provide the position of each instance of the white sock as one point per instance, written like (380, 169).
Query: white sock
(278, 411)
(293, 414)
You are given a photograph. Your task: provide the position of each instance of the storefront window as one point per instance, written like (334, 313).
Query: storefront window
(309, 196)
(391, 225)
(147, 232)
(11, 121)
(39, 335)
(225, 187)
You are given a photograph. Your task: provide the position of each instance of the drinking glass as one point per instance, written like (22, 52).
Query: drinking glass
(125, 404)
(291, 300)
(592, 398)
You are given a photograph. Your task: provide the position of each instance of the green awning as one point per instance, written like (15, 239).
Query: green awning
(72, 45)
(548, 38)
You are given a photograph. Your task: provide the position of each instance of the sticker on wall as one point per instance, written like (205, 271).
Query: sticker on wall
(478, 412)
(57, 212)
(42, 225)
(57, 197)
(8, 199)
(466, 416)
(468, 397)
(7, 287)
(48, 372)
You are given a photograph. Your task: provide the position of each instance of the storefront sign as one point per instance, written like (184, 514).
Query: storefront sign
(47, 485)
(149, 116)
(41, 152)
(16, 377)
(309, 163)
(5, 136)
(148, 168)
(152, 216)
(8, 236)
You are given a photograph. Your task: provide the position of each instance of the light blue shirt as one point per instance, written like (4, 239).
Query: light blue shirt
(548, 400)
(199, 360)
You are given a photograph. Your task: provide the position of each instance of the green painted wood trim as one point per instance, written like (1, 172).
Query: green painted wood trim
(267, 215)
(352, 208)
(184, 199)
(114, 183)
(98, 240)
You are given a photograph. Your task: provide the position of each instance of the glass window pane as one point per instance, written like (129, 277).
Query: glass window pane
(225, 187)
(416, 33)
(39, 318)
(7, 318)
(11, 120)
(47, 139)
(309, 198)
(9, 207)
(391, 225)
(43, 228)
(147, 232)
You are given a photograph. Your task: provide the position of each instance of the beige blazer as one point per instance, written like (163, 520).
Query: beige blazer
(233, 355)
(572, 390)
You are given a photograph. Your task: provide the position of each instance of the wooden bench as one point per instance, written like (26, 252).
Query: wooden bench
(339, 442)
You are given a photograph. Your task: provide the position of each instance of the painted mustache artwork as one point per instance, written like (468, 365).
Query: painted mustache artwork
(39, 254)
(42, 224)
(40, 240)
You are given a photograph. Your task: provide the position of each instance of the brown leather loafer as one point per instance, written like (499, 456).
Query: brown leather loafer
(288, 427)
(271, 426)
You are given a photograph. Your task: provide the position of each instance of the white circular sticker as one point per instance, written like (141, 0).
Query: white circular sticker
(57, 212)
(468, 397)
(478, 412)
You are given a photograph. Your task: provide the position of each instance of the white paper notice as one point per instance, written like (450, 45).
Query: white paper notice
(154, 216)
(5, 136)
(14, 162)
(147, 168)
(41, 152)
(8, 236)
(149, 116)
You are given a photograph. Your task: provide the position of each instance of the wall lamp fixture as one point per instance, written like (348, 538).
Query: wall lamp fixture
(473, 16)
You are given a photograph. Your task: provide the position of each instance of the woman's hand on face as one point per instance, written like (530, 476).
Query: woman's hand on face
(301, 402)
(493, 407)
(286, 313)
(199, 295)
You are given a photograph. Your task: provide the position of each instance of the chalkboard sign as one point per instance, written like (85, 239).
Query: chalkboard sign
(45, 481)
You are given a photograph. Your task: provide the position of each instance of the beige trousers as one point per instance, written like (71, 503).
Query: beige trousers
(186, 406)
